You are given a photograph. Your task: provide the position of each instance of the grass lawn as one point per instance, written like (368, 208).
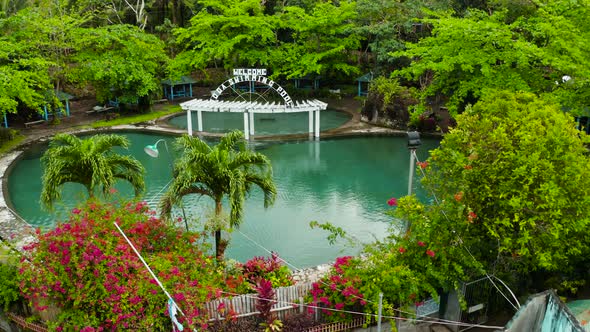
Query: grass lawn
(138, 118)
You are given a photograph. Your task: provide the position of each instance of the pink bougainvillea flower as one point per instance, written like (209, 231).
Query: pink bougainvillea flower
(113, 191)
(459, 196)
(430, 253)
(221, 306)
(392, 201)
(402, 250)
(421, 244)
(76, 211)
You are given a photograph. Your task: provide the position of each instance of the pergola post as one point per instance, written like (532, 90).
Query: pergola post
(317, 124)
(200, 120)
(189, 123)
(172, 94)
(310, 122)
(246, 127)
(251, 123)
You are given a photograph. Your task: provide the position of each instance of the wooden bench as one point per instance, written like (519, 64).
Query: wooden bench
(31, 123)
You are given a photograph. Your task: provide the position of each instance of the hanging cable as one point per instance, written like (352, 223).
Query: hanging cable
(517, 306)
(426, 319)
(416, 320)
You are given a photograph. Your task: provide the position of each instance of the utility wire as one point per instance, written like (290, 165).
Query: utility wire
(467, 249)
(427, 319)
(445, 322)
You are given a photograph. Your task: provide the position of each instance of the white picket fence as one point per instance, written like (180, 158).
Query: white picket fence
(245, 305)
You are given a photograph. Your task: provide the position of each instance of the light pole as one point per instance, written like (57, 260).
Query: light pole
(413, 144)
(152, 151)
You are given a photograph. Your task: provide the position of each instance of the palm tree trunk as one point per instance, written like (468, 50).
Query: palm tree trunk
(219, 250)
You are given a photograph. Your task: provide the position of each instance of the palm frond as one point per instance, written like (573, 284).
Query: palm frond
(230, 140)
(105, 143)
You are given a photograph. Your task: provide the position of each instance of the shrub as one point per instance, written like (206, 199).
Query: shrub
(339, 290)
(92, 275)
(271, 269)
(298, 322)
(9, 291)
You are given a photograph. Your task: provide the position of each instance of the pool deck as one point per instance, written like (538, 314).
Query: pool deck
(17, 232)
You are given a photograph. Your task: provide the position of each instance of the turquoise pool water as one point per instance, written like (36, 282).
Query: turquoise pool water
(264, 124)
(346, 182)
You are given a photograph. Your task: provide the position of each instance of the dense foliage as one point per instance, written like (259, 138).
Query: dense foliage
(86, 269)
(519, 170)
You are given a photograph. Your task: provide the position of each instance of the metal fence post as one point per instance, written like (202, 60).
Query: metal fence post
(379, 312)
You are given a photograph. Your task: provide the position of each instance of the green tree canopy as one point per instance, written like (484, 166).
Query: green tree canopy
(511, 184)
(292, 41)
(90, 162)
(120, 61)
(467, 55)
(34, 50)
(228, 170)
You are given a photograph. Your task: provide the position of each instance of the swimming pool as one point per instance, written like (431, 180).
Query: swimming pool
(346, 182)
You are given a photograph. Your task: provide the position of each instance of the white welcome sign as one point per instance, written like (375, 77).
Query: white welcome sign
(252, 75)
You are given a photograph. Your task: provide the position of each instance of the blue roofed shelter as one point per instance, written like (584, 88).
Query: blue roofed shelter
(363, 84)
(309, 82)
(63, 97)
(182, 87)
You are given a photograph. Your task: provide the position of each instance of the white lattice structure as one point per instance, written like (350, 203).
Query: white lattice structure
(249, 108)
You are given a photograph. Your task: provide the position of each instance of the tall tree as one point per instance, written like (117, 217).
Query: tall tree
(227, 170)
(291, 40)
(320, 40)
(90, 162)
(121, 61)
(227, 33)
(465, 56)
(35, 49)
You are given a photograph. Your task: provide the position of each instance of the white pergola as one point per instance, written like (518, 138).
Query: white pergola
(313, 107)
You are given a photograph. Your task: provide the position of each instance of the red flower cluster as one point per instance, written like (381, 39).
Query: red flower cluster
(422, 164)
(338, 290)
(392, 201)
(471, 216)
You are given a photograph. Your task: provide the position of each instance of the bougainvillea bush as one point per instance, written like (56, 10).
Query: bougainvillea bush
(87, 270)
(271, 269)
(407, 267)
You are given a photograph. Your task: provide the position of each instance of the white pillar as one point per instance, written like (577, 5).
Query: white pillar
(317, 124)
(412, 166)
(246, 127)
(189, 123)
(200, 120)
(251, 123)
(310, 123)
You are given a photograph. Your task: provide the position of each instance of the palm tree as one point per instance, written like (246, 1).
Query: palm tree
(229, 169)
(90, 162)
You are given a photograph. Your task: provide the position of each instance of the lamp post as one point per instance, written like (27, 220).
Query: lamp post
(413, 144)
(152, 151)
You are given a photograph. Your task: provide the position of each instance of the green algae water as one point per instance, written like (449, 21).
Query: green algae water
(264, 124)
(346, 182)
